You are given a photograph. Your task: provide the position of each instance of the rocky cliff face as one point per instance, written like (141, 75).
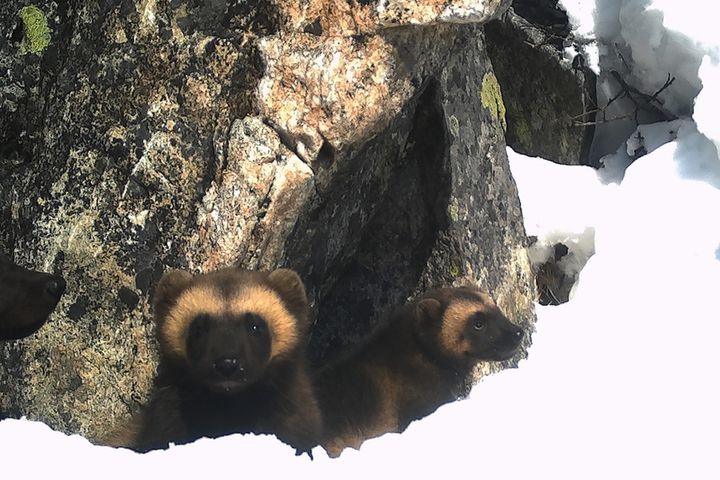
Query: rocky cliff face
(360, 143)
(550, 99)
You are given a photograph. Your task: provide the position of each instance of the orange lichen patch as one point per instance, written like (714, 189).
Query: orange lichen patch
(336, 90)
(204, 300)
(329, 18)
(347, 18)
(426, 12)
(411, 12)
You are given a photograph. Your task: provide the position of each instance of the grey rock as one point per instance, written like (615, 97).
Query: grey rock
(547, 97)
(151, 144)
(105, 160)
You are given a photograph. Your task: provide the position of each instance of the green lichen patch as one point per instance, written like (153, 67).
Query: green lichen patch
(491, 98)
(37, 32)
(523, 133)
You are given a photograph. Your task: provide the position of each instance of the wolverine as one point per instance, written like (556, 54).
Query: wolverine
(232, 360)
(27, 298)
(419, 359)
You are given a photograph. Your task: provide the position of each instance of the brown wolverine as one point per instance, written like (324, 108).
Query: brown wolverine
(27, 298)
(232, 360)
(410, 365)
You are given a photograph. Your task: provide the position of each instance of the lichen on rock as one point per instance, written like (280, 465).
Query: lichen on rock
(323, 18)
(339, 90)
(547, 100)
(426, 12)
(36, 36)
(358, 150)
(265, 186)
(491, 98)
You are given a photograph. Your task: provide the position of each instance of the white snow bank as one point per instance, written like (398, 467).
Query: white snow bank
(33, 450)
(580, 13)
(581, 16)
(562, 208)
(707, 102)
(660, 194)
(637, 31)
(643, 42)
(572, 202)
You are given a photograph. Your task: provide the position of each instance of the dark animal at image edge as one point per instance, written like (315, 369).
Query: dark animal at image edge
(421, 358)
(27, 298)
(232, 360)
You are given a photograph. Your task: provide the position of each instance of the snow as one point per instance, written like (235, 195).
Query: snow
(621, 382)
(644, 41)
(550, 217)
(581, 14)
(708, 100)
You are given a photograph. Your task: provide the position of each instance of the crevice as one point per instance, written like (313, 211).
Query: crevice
(397, 240)
(287, 141)
(257, 231)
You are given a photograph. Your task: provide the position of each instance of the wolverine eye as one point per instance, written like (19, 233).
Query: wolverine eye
(255, 324)
(479, 324)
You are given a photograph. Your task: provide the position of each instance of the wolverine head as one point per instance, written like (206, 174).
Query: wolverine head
(465, 325)
(26, 299)
(227, 327)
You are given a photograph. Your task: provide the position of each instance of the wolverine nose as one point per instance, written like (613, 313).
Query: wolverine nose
(55, 287)
(227, 366)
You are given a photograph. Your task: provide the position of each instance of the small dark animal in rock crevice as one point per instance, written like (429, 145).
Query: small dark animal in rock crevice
(419, 359)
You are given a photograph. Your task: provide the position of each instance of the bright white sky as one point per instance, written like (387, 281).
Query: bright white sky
(621, 382)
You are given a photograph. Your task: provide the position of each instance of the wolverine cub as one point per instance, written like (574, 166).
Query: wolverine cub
(418, 360)
(232, 360)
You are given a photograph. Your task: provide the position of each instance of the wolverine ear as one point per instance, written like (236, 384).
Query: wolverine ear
(288, 284)
(169, 288)
(429, 310)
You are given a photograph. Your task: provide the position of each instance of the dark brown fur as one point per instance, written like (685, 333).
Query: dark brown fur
(270, 393)
(418, 360)
(27, 298)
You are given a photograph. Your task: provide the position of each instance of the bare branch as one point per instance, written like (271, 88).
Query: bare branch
(641, 101)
